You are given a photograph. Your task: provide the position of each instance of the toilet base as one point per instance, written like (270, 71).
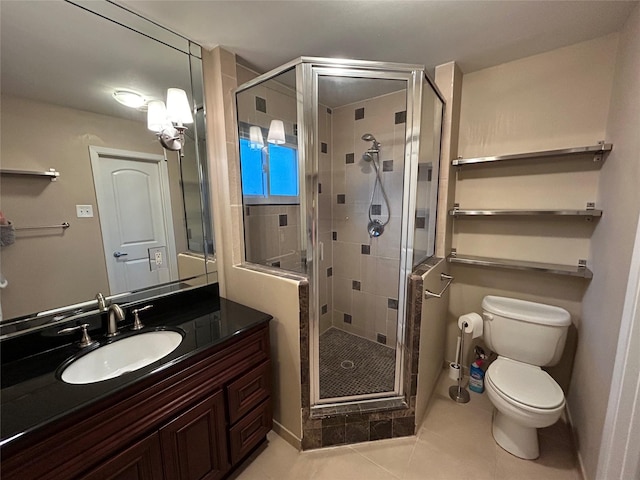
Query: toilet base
(516, 439)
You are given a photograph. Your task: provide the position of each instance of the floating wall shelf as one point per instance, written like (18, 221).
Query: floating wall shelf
(52, 173)
(579, 270)
(456, 212)
(598, 152)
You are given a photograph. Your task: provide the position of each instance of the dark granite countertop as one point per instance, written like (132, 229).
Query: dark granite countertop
(33, 395)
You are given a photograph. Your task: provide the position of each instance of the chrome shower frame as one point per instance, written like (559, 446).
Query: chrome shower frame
(413, 75)
(308, 70)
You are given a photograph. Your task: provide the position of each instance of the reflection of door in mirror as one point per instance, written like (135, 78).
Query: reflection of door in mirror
(57, 101)
(138, 241)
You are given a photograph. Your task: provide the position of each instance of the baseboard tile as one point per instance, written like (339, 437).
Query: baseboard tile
(287, 435)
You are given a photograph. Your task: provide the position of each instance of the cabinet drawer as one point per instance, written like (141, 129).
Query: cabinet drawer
(249, 431)
(248, 391)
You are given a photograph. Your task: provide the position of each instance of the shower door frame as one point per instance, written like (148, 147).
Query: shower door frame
(307, 75)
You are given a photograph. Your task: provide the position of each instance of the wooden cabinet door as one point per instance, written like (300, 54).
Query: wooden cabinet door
(194, 445)
(141, 461)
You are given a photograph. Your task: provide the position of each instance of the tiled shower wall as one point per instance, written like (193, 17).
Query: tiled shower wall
(272, 232)
(325, 224)
(273, 235)
(363, 273)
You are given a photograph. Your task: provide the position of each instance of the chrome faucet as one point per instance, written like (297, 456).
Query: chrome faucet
(116, 314)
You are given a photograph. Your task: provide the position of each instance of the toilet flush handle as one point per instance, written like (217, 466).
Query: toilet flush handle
(487, 316)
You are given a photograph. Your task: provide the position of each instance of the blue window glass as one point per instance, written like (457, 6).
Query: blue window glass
(283, 171)
(251, 167)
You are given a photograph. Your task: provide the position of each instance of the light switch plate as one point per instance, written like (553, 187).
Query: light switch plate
(84, 211)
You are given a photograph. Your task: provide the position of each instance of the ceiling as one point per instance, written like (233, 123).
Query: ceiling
(58, 53)
(476, 34)
(55, 52)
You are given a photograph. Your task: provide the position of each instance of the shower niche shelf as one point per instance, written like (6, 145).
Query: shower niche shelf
(580, 270)
(598, 152)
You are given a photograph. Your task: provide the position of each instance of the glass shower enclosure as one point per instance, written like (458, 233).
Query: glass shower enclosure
(339, 166)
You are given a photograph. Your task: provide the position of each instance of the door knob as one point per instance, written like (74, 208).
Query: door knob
(119, 254)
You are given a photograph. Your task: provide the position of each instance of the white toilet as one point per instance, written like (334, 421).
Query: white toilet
(526, 336)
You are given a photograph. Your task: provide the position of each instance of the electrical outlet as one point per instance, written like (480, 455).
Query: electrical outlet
(157, 257)
(84, 211)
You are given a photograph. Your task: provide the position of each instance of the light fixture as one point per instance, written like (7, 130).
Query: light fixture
(168, 122)
(256, 140)
(129, 98)
(157, 116)
(276, 132)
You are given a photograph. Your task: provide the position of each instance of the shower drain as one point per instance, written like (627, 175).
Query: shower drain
(347, 364)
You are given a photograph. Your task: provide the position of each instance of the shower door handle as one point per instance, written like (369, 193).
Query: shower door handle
(443, 276)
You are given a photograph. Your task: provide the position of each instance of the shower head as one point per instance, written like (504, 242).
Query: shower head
(367, 137)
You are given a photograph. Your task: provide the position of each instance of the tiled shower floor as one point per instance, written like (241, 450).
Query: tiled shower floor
(352, 365)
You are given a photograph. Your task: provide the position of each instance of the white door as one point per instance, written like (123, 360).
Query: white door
(132, 191)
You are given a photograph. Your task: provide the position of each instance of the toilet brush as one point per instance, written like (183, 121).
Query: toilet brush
(458, 392)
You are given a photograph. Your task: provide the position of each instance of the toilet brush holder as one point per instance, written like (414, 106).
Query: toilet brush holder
(457, 392)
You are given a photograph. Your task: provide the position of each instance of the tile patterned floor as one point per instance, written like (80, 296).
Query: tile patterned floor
(454, 442)
(352, 365)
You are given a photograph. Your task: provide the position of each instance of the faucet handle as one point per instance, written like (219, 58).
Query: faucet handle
(137, 324)
(102, 304)
(86, 339)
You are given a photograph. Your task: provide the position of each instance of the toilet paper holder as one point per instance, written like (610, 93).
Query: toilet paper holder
(443, 276)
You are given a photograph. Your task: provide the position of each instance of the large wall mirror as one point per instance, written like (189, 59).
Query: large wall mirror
(137, 214)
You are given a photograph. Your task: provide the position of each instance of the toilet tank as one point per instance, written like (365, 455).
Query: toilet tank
(529, 332)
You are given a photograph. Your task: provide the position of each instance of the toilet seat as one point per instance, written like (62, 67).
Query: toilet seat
(527, 386)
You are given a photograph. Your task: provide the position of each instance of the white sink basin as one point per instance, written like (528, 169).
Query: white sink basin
(122, 356)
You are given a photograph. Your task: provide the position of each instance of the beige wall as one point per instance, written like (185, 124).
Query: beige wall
(432, 336)
(49, 268)
(274, 295)
(449, 81)
(547, 101)
(611, 248)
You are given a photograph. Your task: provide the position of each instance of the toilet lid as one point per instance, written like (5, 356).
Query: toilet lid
(526, 384)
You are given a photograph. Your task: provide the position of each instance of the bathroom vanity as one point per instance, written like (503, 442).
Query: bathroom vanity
(194, 414)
